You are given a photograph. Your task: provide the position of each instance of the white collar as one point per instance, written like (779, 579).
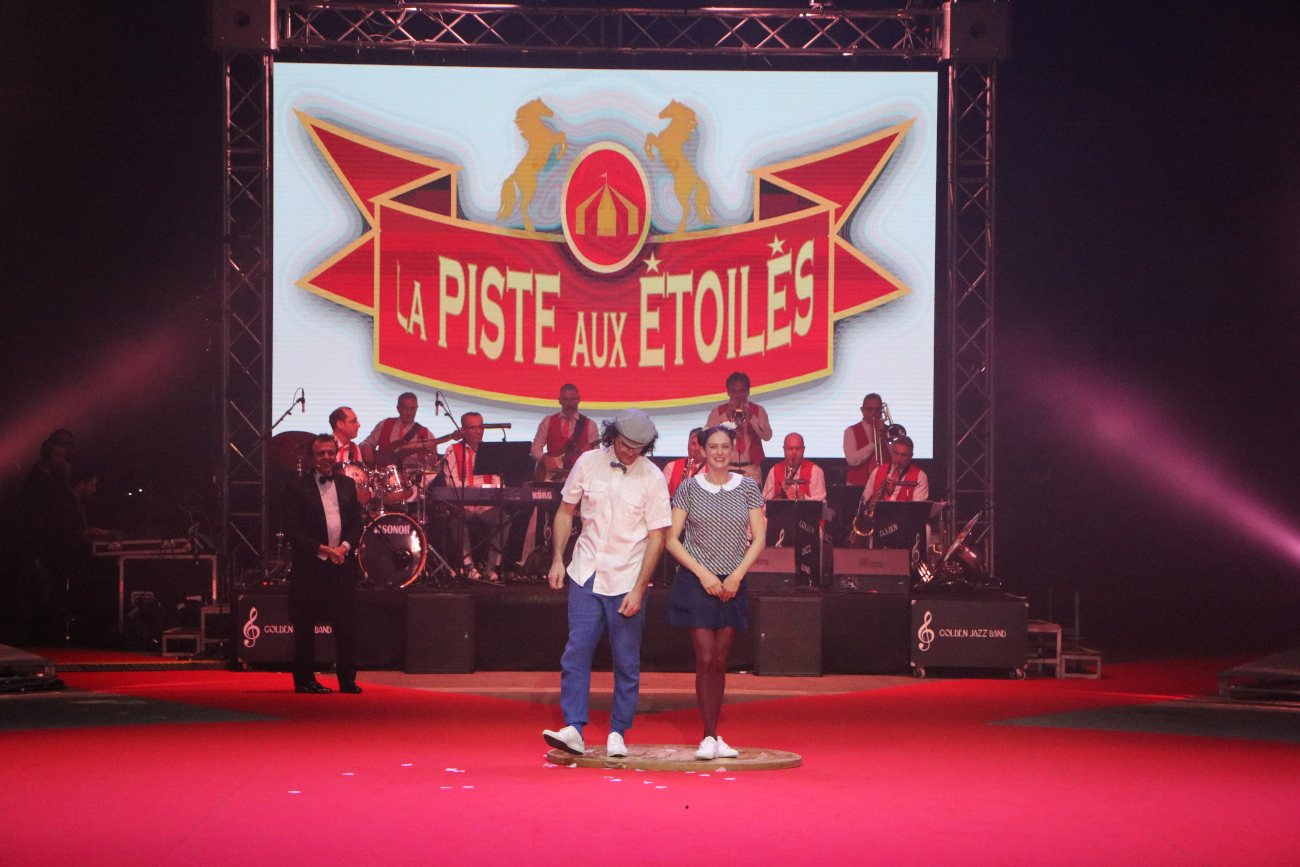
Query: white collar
(729, 485)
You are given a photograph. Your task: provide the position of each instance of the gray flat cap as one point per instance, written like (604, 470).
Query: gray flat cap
(635, 426)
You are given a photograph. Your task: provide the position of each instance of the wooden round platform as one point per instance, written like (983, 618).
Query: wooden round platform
(677, 757)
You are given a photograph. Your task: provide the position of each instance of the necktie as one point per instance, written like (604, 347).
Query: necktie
(325, 480)
(620, 466)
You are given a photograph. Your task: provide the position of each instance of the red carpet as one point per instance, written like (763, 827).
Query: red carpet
(908, 775)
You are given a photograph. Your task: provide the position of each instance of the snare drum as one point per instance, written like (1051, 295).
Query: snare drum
(392, 551)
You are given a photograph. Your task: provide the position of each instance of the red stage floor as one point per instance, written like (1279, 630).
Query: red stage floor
(914, 774)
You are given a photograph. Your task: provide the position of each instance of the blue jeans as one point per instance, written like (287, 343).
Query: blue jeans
(590, 614)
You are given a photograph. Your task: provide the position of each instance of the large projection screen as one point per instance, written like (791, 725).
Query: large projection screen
(680, 225)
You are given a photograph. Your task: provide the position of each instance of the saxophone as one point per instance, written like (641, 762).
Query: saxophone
(864, 527)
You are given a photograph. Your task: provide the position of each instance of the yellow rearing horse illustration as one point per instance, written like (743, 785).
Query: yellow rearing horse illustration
(541, 141)
(671, 143)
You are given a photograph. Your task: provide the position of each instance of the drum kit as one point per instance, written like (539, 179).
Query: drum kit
(400, 515)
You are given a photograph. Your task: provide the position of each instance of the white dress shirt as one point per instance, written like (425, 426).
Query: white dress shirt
(329, 499)
(619, 509)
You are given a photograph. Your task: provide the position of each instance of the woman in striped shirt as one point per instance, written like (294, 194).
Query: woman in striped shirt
(717, 533)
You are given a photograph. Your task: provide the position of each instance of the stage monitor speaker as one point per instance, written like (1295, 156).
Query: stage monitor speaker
(774, 570)
(788, 636)
(243, 25)
(872, 570)
(976, 32)
(439, 633)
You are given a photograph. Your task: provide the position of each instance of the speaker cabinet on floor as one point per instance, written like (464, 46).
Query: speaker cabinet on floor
(788, 635)
(439, 633)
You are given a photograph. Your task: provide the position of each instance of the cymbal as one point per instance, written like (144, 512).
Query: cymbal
(289, 449)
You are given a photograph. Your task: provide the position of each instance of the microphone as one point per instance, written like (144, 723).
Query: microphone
(302, 401)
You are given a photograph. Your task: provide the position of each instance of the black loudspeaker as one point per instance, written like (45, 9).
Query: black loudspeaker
(872, 570)
(773, 571)
(976, 32)
(439, 633)
(788, 636)
(264, 636)
(243, 25)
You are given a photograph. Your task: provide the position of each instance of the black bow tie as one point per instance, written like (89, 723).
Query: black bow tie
(324, 480)
(620, 466)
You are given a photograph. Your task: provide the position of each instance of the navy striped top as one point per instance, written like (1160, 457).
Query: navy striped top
(717, 520)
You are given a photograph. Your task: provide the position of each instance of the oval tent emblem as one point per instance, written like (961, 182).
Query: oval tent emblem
(606, 207)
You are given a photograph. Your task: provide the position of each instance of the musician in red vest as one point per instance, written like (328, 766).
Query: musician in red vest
(393, 432)
(345, 427)
(795, 478)
(900, 480)
(562, 436)
(683, 468)
(486, 525)
(865, 446)
(752, 428)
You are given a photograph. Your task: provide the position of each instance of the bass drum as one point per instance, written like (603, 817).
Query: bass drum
(393, 551)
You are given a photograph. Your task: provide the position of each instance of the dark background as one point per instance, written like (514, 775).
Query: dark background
(1148, 212)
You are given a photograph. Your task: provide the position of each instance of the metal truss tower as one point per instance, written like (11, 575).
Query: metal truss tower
(468, 33)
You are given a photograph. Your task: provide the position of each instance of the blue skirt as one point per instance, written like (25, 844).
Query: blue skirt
(690, 605)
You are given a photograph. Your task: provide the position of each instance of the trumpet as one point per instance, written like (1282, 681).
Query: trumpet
(791, 481)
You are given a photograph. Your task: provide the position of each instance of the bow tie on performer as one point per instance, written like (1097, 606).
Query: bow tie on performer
(795, 478)
(751, 426)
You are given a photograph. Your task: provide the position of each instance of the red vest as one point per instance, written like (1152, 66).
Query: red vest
(555, 438)
(388, 433)
(804, 472)
(464, 464)
(745, 438)
(913, 474)
(858, 475)
(676, 473)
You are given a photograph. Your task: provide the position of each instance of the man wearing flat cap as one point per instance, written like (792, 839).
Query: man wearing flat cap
(625, 519)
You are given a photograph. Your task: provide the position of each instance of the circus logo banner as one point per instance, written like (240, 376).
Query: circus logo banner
(637, 306)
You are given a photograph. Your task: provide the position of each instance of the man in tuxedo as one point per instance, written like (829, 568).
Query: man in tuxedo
(322, 519)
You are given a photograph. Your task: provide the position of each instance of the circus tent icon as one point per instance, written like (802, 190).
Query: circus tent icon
(607, 213)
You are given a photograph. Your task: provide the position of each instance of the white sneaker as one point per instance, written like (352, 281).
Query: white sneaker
(614, 746)
(708, 750)
(723, 751)
(568, 739)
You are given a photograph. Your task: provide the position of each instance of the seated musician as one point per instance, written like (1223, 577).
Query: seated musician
(900, 480)
(865, 447)
(562, 436)
(486, 525)
(683, 468)
(795, 478)
(345, 427)
(752, 428)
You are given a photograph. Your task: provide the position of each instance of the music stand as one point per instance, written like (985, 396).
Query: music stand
(513, 462)
(898, 525)
(800, 521)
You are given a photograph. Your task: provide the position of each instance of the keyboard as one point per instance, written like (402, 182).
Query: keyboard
(495, 496)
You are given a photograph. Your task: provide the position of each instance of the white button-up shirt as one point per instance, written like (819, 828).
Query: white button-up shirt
(329, 500)
(618, 512)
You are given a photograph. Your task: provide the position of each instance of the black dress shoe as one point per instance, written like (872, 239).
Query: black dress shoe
(349, 688)
(313, 687)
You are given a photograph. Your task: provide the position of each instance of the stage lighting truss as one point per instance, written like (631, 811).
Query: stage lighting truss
(309, 28)
(810, 31)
